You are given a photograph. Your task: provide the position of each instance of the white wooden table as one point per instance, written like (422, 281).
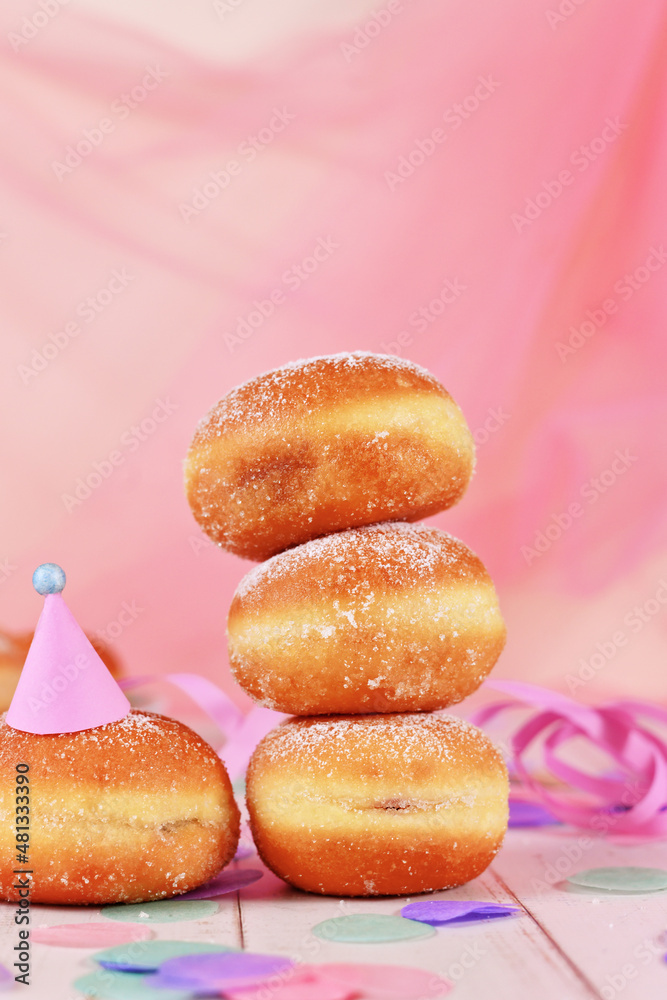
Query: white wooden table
(567, 944)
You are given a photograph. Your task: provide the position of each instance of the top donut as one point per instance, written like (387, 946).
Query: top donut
(322, 445)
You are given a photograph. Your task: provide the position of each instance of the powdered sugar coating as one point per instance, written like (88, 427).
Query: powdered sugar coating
(269, 397)
(377, 805)
(134, 810)
(403, 740)
(141, 746)
(400, 550)
(391, 617)
(322, 445)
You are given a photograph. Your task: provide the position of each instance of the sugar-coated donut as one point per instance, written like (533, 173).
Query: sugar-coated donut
(377, 804)
(392, 617)
(322, 445)
(13, 651)
(135, 810)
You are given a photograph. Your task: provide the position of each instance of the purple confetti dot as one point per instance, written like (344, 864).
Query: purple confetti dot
(219, 972)
(529, 814)
(224, 882)
(446, 911)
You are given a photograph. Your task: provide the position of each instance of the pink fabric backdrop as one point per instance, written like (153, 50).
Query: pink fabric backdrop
(500, 167)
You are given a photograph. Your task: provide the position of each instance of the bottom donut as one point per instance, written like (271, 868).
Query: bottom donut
(377, 805)
(128, 812)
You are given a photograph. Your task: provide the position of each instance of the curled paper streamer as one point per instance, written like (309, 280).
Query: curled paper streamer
(631, 799)
(241, 732)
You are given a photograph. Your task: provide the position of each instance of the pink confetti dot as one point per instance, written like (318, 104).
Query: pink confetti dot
(90, 935)
(387, 982)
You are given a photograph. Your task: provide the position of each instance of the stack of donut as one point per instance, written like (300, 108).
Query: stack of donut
(359, 622)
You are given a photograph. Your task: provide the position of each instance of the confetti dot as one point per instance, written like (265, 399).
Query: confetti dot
(147, 956)
(622, 879)
(244, 850)
(107, 985)
(225, 882)
(302, 983)
(6, 979)
(446, 911)
(210, 973)
(162, 912)
(387, 982)
(370, 928)
(89, 935)
(529, 814)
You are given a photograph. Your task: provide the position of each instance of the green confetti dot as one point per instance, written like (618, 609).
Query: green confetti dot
(161, 912)
(622, 879)
(107, 985)
(147, 956)
(371, 928)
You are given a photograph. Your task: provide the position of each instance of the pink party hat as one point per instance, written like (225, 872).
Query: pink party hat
(64, 685)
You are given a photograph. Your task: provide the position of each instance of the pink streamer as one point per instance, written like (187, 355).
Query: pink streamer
(237, 750)
(632, 799)
(207, 695)
(241, 732)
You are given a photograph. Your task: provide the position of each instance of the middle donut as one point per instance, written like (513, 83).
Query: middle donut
(392, 617)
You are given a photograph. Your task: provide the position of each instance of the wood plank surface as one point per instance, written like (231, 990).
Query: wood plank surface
(566, 945)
